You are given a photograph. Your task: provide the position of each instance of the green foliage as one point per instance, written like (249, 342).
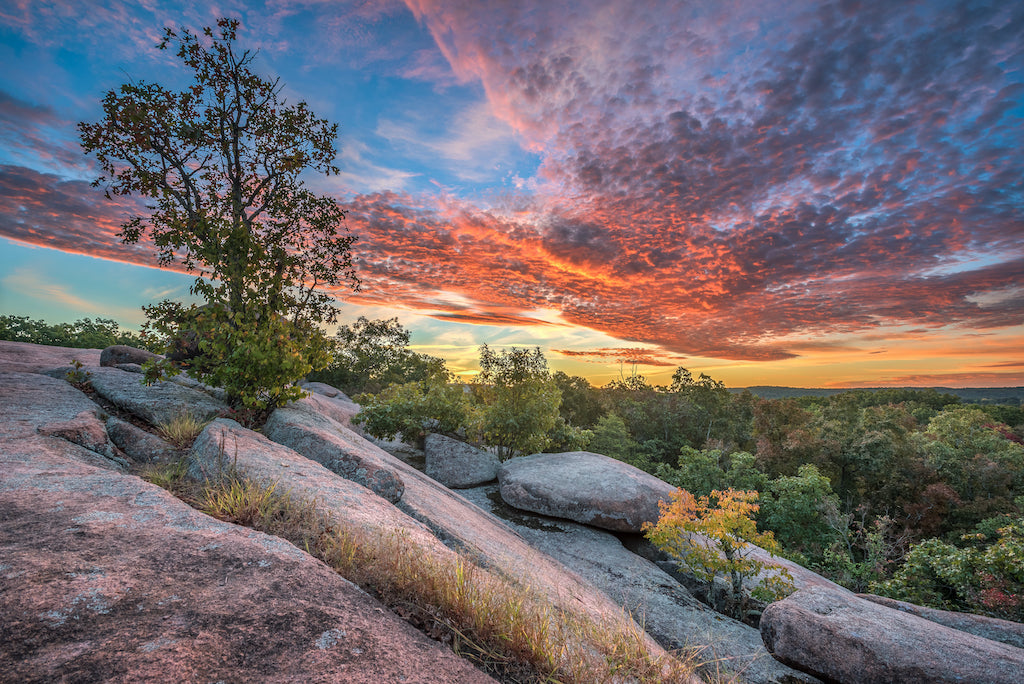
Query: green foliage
(581, 401)
(987, 580)
(796, 509)
(863, 552)
(700, 471)
(611, 438)
(221, 162)
(84, 333)
(519, 400)
(714, 535)
(371, 355)
(688, 413)
(414, 409)
(254, 355)
(979, 462)
(565, 437)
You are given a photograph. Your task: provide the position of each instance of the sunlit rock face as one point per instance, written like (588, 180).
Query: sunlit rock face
(107, 577)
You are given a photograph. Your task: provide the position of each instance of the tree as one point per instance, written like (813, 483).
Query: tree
(413, 409)
(611, 438)
(714, 535)
(794, 507)
(371, 355)
(520, 400)
(221, 161)
(581, 405)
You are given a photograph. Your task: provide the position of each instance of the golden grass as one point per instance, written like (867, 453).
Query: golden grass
(509, 631)
(182, 429)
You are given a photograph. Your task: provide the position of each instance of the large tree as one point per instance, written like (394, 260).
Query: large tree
(221, 162)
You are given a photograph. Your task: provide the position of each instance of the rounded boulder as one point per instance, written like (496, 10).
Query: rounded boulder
(583, 486)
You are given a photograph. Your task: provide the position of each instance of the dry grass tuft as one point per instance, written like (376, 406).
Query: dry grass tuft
(181, 430)
(172, 476)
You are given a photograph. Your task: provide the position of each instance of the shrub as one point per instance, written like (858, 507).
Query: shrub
(413, 409)
(714, 535)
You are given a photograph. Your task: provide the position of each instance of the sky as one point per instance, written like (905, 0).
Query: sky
(813, 194)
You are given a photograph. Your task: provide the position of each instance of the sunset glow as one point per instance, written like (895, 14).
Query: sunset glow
(823, 194)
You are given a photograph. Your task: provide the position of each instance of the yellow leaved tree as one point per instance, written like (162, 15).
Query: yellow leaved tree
(715, 535)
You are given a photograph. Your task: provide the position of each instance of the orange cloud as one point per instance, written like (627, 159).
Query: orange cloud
(640, 357)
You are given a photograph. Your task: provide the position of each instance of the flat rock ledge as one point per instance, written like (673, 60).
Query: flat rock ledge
(839, 637)
(585, 487)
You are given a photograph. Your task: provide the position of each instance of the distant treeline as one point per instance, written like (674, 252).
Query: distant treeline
(1012, 396)
(84, 333)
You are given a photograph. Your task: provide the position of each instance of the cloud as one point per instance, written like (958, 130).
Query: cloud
(729, 180)
(31, 285)
(967, 379)
(472, 146)
(630, 355)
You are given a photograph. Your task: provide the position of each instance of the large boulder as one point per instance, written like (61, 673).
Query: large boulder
(25, 357)
(457, 464)
(157, 403)
(302, 427)
(119, 354)
(670, 614)
(33, 404)
(839, 637)
(585, 487)
(104, 577)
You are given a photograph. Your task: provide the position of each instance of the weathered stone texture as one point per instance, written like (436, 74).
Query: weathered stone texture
(157, 403)
(104, 577)
(303, 428)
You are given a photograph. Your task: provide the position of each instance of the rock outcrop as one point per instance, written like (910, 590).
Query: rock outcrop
(34, 405)
(839, 637)
(459, 524)
(457, 464)
(302, 427)
(585, 487)
(157, 403)
(137, 444)
(225, 447)
(104, 577)
(23, 357)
